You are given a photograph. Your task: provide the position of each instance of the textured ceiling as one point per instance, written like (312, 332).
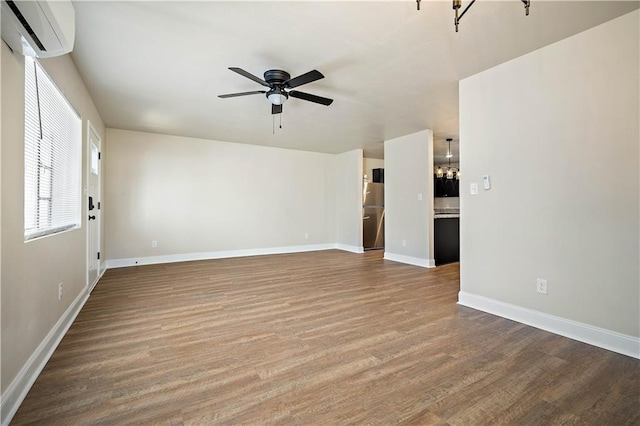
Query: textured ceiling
(392, 70)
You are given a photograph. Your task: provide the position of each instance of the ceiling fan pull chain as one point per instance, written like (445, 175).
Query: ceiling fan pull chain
(280, 120)
(273, 118)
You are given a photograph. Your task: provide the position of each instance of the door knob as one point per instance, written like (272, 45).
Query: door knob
(92, 218)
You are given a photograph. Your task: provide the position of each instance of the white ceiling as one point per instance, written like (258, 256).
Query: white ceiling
(391, 70)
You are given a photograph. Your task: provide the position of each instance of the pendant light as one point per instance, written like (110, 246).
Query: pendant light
(449, 155)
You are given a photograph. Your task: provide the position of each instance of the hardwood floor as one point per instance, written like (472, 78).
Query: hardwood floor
(323, 338)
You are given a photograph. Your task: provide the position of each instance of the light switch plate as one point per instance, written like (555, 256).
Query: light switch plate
(541, 286)
(473, 188)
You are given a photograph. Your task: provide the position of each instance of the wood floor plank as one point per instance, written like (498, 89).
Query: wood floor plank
(317, 338)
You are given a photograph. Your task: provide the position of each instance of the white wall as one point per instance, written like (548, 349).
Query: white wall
(348, 193)
(408, 173)
(202, 196)
(33, 319)
(1, 388)
(557, 131)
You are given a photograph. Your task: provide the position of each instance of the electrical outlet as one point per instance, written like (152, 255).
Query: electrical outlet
(60, 291)
(154, 244)
(404, 243)
(541, 286)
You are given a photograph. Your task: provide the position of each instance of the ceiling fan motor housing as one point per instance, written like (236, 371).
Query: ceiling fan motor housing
(276, 76)
(277, 95)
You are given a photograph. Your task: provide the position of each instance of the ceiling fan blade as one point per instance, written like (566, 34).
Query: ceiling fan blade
(303, 79)
(276, 109)
(249, 76)
(233, 95)
(311, 98)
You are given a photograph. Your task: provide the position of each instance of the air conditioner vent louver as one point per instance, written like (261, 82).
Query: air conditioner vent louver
(25, 24)
(39, 28)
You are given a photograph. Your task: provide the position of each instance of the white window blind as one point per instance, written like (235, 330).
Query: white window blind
(52, 157)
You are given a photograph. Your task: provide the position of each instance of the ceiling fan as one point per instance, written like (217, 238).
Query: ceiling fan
(280, 84)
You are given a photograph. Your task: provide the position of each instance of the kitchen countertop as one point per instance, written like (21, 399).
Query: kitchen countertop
(446, 213)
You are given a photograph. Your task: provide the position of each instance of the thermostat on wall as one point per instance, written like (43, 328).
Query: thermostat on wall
(486, 182)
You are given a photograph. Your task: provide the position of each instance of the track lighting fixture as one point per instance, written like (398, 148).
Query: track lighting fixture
(457, 4)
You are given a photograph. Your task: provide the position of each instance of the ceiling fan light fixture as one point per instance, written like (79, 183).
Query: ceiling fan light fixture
(277, 98)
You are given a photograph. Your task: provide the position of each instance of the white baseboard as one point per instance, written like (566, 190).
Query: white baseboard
(103, 268)
(352, 249)
(596, 336)
(186, 257)
(19, 387)
(416, 261)
(101, 271)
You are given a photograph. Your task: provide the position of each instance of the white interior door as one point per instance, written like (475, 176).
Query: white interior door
(93, 207)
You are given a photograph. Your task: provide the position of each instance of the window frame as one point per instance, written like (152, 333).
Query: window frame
(47, 143)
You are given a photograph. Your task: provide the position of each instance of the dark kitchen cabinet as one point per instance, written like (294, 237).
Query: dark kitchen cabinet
(443, 187)
(446, 239)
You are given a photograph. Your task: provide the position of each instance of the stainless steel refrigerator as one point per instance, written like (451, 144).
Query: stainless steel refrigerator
(373, 216)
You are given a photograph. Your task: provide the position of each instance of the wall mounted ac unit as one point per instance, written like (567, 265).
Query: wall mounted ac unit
(39, 28)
